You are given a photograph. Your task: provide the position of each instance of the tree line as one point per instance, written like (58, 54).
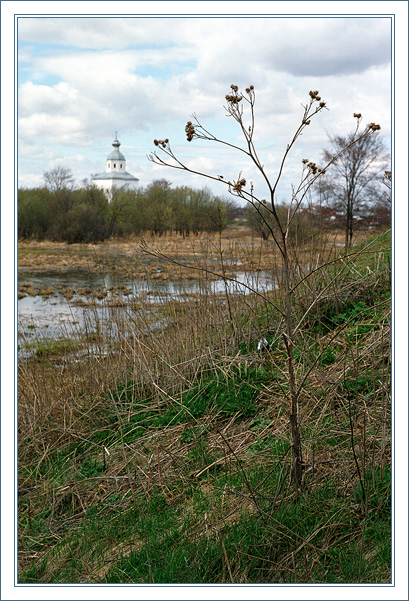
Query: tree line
(355, 193)
(59, 212)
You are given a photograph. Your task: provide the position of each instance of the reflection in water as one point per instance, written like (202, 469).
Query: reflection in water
(55, 316)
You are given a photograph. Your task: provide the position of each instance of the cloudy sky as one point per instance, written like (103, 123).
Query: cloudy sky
(82, 79)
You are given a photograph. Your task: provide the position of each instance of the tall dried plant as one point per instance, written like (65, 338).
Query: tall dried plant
(241, 107)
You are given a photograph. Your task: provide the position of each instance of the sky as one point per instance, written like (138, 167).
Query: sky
(81, 79)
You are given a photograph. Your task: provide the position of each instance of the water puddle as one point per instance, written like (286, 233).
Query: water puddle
(58, 304)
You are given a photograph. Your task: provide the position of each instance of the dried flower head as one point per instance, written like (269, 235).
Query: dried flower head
(156, 142)
(239, 185)
(233, 99)
(313, 167)
(358, 115)
(234, 87)
(388, 175)
(314, 95)
(305, 161)
(322, 104)
(190, 131)
(374, 126)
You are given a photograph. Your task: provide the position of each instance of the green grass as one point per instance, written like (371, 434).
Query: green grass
(215, 397)
(164, 541)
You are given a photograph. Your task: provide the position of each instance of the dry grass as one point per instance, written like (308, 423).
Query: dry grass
(123, 256)
(86, 442)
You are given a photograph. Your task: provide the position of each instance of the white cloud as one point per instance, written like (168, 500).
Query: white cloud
(98, 32)
(145, 77)
(40, 98)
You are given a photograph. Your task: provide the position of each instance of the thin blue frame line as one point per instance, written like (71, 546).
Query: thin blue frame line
(213, 16)
(392, 117)
(391, 16)
(15, 312)
(393, 307)
(392, 26)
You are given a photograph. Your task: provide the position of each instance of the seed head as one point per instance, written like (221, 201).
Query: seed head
(239, 185)
(233, 99)
(190, 131)
(358, 115)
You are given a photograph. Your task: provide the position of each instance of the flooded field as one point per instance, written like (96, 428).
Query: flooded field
(52, 304)
(73, 291)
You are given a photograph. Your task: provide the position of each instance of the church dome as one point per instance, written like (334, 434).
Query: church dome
(116, 154)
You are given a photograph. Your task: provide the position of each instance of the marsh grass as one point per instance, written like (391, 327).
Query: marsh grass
(163, 454)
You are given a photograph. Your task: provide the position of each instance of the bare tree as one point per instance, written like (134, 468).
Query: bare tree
(277, 225)
(355, 177)
(58, 178)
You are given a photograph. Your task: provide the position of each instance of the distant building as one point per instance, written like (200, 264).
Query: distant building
(116, 175)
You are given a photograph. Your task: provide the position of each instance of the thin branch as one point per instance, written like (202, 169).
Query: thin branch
(155, 253)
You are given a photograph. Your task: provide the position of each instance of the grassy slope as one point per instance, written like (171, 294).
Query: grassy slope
(187, 479)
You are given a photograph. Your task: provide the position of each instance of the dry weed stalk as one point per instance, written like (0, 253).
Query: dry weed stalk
(279, 228)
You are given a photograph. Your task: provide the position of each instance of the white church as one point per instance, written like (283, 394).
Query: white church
(116, 175)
